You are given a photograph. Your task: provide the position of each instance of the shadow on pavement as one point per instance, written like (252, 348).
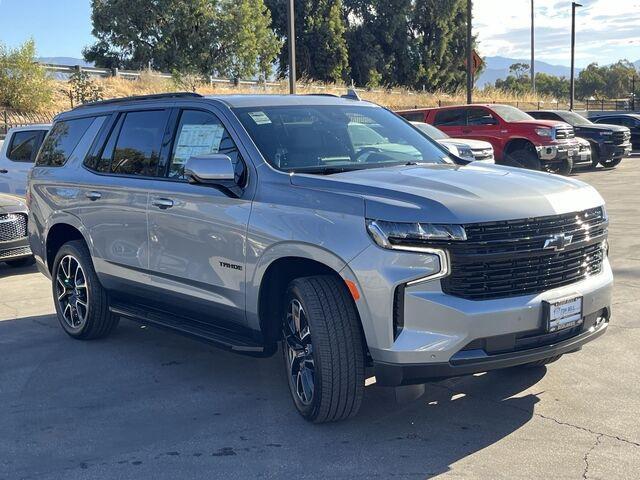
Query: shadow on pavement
(161, 405)
(7, 271)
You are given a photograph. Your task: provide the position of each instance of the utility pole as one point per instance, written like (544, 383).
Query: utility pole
(469, 53)
(291, 32)
(572, 90)
(533, 55)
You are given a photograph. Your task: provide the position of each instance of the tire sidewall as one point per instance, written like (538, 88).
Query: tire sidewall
(307, 411)
(525, 159)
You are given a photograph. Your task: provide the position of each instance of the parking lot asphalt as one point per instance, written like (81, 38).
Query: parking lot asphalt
(148, 404)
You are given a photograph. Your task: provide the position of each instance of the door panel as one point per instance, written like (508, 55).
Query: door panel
(197, 233)
(451, 121)
(479, 127)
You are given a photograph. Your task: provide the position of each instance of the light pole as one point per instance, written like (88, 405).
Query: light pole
(291, 32)
(572, 88)
(469, 54)
(533, 55)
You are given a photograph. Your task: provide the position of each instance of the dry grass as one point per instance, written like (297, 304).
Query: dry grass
(395, 99)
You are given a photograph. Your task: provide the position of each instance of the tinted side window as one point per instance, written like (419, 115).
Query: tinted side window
(24, 145)
(138, 143)
(450, 118)
(201, 133)
(413, 116)
(62, 141)
(480, 116)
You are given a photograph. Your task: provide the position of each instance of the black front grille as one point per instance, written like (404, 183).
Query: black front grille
(12, 226)
(507, 259)
(620, 138)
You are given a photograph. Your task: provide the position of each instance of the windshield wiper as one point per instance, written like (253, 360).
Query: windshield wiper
(324, 170)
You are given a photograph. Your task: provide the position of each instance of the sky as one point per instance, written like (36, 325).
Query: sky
(606, 30)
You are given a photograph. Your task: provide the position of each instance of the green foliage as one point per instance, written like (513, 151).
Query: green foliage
(612, 81)
(185, 81)
(222, 37)
(24, 85)
(321, 46)
(82, 89)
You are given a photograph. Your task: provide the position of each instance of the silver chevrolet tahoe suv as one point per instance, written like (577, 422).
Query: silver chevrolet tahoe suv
(326, 225)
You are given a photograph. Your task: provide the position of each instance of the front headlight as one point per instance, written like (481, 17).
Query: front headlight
(409, 236)
(466, 153)
(545, 132)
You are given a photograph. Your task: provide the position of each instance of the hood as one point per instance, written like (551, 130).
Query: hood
(600, 127)
(457, 194)
(465, 142)
(9, 201)
(542, 123)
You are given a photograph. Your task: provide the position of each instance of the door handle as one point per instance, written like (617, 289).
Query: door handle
(93, 196)
(466, 130)
(4, 170)
(162, 203)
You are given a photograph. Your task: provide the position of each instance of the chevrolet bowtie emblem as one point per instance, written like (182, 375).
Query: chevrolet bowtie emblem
(558, 242)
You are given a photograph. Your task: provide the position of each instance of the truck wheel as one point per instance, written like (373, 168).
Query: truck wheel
(21, 262)
(614, 162)
(560, 168)
(81, 303)
(525, 159)
(595, 156)
(542, 363)
(323, 349)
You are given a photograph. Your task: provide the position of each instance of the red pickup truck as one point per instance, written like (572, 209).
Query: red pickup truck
(517, 138)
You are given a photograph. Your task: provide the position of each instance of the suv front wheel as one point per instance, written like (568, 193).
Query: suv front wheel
(81, 303)
(323, 349)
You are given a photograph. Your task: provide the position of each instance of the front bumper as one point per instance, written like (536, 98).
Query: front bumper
(611, 151)
(467, 362)
(15, 249)
(557, 152)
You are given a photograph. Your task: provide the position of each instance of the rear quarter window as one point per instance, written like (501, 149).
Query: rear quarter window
(62, 141)
(24, 145)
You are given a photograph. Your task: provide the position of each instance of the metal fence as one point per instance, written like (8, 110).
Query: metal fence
(11, 118)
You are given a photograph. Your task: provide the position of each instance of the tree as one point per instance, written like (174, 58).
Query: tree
(439, 43)
(224, 37)
(24, 84)
(321, 47)
(519, 70)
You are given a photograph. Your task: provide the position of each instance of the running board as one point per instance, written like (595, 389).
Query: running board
(218, 336)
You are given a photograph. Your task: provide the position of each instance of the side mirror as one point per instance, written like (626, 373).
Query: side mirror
(215, 169)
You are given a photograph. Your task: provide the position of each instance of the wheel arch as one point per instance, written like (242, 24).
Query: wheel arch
(280, 265)
(517, 143)
(59, 233)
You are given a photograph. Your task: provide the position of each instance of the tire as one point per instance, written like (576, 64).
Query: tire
(525, 158)
(74, 284)
(595, 156)
(542, 363)
(323, 349)
(21, 262)
(614, 162)
(560, 168)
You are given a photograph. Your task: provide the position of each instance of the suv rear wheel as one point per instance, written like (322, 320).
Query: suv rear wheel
(613, 162)
(323, 349)
(81, 303)
(525, 158)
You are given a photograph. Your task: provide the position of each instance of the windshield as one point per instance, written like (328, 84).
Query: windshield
(574, 119)
(430, 130)
(511, 114)
(336, 138)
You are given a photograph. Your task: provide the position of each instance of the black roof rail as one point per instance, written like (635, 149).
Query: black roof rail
(155, 96)
(321, 95)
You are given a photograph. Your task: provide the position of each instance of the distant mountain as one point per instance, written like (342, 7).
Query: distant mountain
(65, 61)
(637, 64)
(498, 67)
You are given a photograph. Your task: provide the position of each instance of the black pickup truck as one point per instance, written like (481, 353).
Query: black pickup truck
(609, 143)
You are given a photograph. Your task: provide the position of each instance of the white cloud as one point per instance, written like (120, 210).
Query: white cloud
(606, 30)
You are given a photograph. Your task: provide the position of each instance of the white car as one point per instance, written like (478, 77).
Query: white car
(467, 149)
(17, 155)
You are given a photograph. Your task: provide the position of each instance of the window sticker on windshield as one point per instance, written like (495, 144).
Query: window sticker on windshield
(197, 140)
(260, 118)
